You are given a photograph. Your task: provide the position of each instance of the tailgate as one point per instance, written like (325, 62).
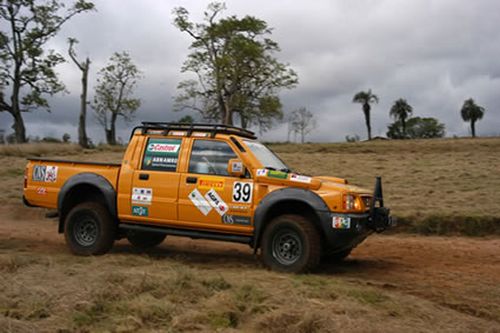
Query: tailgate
(45, 178)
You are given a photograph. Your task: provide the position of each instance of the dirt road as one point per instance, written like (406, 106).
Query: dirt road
(457, 273)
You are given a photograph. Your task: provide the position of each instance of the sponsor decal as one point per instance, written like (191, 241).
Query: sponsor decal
(242, 192)
(163, 148)
(140, 211)
(51, 174)
(237, 166)
(216, 202)
(41, 191)
(211, 183)
(236, 219)
(160, 162)
(199, 201)
(141, 195)
(177, 133)
(240, 208)
(341, 222)
(162, 154)
(200, 135)
(261, 172)
(277, 174)
(44, 173)
(300, 178)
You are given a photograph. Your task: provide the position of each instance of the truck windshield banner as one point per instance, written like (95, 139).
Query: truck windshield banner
(161, 154)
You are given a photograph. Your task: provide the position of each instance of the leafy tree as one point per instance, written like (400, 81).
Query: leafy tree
(365, 98)
(237, 73)
(113, 94)
(26, 67)
(84, 68)
(417, 128)
(401, 111)
(302, 122)
(186, 120)
(472, 112)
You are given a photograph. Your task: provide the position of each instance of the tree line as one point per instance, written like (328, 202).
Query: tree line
(235, 75)
(27, 69)
(407, 127)
(238, 78)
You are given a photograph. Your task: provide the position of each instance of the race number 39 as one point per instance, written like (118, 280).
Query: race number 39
(242, 192)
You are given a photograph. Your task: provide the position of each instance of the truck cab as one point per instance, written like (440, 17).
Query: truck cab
(212, 182)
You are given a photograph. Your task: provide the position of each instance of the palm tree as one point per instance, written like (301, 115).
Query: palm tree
(365, 98)
(401, 111)
(472, 112)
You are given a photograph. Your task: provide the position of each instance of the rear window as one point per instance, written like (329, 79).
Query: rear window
(161, 154)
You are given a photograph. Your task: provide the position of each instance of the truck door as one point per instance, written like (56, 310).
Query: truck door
(155, 183)
(208, 196)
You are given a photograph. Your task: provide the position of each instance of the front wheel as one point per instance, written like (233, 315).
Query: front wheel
(292, 244)
(89, 229)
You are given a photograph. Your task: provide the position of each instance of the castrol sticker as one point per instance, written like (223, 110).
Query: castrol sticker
(163, 148)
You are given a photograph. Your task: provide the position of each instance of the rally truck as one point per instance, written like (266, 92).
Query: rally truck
(205, 181)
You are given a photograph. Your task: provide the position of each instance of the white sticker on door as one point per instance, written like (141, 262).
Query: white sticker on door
(216, 201)
(142, 196)
(242, 192)
(199, 201)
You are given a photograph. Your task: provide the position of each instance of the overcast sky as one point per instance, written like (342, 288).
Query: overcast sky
(434, 53)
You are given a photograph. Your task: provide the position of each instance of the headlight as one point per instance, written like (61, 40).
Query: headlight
(351, 202)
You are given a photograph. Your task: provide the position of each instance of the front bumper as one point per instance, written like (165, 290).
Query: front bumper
(343, 231)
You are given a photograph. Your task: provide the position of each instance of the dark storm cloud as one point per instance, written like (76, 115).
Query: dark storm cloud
(433, 53)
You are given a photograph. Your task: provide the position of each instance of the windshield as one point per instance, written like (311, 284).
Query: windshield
(268, 159)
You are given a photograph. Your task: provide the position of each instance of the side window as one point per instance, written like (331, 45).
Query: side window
(161, 154)
(210, 157)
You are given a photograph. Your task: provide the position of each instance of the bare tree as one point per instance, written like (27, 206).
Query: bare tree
(302, 122)
(113, 93)
(84, 68)
(26, 67)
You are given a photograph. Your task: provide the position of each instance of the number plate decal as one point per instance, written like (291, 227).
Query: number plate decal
(242, 192)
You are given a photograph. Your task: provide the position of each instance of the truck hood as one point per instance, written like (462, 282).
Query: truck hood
(319, 184)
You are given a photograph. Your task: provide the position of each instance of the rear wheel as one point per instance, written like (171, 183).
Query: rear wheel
(145, 240)
(291, 243)
(89, 229)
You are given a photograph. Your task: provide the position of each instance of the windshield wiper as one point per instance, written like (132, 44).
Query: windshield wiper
(286, 170)
(270, 168)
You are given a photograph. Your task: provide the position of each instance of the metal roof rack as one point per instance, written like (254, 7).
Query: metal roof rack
(213, 129)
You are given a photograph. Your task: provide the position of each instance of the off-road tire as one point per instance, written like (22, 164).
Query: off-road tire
(145, 240)
(292, 244)
(89, 229)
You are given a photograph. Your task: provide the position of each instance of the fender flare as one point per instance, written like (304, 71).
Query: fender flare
(87, 178)
(290, 193)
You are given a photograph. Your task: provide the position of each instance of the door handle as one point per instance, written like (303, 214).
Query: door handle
(143, 176)
(191, 180)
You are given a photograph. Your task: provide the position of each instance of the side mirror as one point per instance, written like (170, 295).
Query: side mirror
(235, 167)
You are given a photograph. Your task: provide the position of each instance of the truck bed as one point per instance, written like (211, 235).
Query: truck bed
(46, 177)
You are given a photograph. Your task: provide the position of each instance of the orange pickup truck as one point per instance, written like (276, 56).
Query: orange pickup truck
(205, 181)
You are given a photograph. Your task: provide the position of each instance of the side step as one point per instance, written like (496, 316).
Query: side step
(189, 233)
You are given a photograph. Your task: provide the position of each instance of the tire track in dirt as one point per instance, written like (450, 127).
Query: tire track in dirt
(460, 273)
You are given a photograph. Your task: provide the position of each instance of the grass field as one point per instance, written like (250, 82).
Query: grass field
(391, 283)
